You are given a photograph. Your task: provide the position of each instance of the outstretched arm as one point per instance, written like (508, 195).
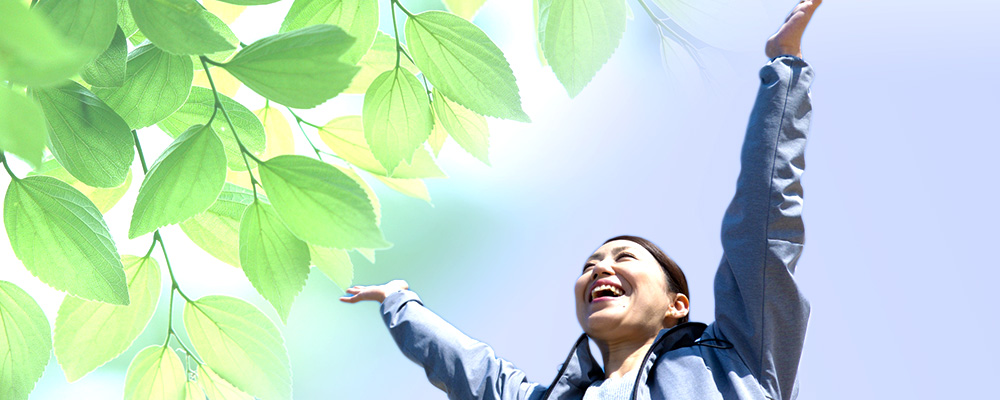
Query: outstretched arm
(759, 307)
(455, 363)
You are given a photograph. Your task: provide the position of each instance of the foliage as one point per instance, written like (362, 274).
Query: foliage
(85, 81)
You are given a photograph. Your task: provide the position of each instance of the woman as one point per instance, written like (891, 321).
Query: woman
(632, 299)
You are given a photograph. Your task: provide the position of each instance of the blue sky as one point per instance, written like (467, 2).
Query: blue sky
(899, 208)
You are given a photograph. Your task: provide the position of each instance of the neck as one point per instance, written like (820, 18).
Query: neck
(624, 356)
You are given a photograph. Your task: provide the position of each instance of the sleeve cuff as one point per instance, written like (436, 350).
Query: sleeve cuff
(793, 59)
(393, 301)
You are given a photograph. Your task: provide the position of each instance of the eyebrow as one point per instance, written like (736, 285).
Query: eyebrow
(613, 250)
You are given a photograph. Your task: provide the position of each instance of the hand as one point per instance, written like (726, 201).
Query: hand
(374, 292)
(788, 40)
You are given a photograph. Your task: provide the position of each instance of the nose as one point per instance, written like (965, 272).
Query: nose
(601, 269)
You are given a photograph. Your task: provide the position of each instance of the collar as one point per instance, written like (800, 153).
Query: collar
(581, 369)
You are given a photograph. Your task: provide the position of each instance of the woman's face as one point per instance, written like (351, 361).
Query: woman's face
(622, 293)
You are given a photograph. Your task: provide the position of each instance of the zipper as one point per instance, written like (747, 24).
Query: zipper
(562, 370)
(638, 375)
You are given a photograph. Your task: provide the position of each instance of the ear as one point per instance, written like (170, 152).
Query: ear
(678, 309)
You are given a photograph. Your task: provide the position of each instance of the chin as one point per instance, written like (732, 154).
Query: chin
(602, 323)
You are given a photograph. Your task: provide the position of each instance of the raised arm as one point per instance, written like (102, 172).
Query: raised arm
(454, 362)
(759, 307)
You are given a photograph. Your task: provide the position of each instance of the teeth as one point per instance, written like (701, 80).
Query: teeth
(613, 289)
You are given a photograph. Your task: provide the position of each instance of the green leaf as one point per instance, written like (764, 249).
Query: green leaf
(396, 116)
(22, 127)
(216, 388)
(87, 137)
(460, 60)
(274, 260)
(334, 263)
(89, 334)
(222, 29)
(540, 8)
(467, 128)
(320, 204)
(380, 57)
(156, 85)
(156, 373)
(464, 8)
(249, 2)
(32, 52)
(346, 137)
(198, 109)
(103, 198)
(62, 239)
(241, 344)
(177, 26)
(25, 342)
(299, 69)
(125, 20)
(108, 69)
(88, 25)
(217, 229)
(579, 37)
(359, 18)
(183, 182)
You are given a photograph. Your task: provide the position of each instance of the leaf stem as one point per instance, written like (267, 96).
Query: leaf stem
(218, 106)
(395, 30)
(174, 287)
(138, 147)
(661, 26)
(400, 5)
(3, 160)
(299, 121)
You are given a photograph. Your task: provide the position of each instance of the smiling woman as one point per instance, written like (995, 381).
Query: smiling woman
(632, 300)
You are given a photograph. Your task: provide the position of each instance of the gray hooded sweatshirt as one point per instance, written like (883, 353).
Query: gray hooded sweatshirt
(751, 351)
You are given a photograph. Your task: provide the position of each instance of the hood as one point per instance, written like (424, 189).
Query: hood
(581, 368)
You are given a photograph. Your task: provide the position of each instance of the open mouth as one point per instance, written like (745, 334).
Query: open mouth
(605, 292)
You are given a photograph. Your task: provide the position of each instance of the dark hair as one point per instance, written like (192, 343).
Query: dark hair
(676, 281)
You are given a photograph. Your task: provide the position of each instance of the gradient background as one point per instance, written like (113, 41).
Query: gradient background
(900, 209)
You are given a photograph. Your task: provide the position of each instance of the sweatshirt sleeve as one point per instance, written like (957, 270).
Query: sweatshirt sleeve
(758, 305)
(457, 364)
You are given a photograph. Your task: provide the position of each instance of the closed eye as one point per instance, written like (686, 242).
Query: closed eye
(624, 254)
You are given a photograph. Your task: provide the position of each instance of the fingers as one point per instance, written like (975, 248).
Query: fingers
(358, 293)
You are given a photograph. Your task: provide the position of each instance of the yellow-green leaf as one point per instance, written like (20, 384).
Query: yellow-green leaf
(320, 204)
(467, 128)
(273, 259)
(177, 26)
(103, 198)
(25, 342)
(396, 116)
(380, 57)
(62, 239)
(22, 127)
(156, 85)
(89, 333)
(464, 8)
(359, 18)
(217, 229)
(300, 68)
(32, 51)
(579, 37)
(184, 181)
(156, 373)
(240, 344)
(346, 137)
(460, 60)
